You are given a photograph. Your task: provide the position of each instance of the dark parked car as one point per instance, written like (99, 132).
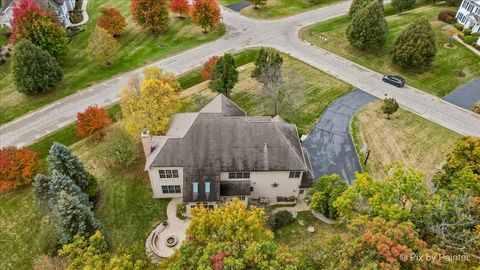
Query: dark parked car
(394, 80)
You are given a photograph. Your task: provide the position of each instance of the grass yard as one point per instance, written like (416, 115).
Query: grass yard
(406, 138)
(309, 93)
(125, 208)
(439, 80)
(295, 235)
(282, 8)
(138, 48)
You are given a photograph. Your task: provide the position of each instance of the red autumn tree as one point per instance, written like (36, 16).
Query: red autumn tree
(152, 15)
(92, 122)
(41, 27)
(181, 7)
(206, 14)
(18, 166)
(112, 20)
(207, 67)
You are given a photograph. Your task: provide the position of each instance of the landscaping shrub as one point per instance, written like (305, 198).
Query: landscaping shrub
(461, 35)
(467, 31)
(4, 35)
(180, 210)
(18, 166)
(470, 40)
(446, 15)
(459, 26)
(34, 70)
(119, 148)
(280, 219)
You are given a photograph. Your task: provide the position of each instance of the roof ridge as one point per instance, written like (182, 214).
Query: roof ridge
(302, 160)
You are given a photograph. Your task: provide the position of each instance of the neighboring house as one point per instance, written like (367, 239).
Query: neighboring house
(219, 153)
(60, 7)
(469, 15)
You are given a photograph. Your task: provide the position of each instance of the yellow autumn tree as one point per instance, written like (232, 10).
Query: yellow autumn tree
(230, 237)
(102, 47)
(148, 105)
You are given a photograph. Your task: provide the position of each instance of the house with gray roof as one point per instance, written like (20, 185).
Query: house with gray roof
(211, 156)
(61, 8)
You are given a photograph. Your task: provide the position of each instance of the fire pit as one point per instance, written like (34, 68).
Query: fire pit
(171, 241)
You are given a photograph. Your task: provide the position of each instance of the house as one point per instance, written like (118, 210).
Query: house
(469, 15)
(219, 153)
(61, 8)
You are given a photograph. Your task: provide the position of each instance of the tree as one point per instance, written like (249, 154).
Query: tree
(112, 20)
(415, 46)
(260, 62)
(324, 194)
(280, 219)
(18, 166)
(150, 105)
(102, 47)
(119, 149)
(206, 14)
(208, 66)
(181, 7)
(34, 70)
(402, 5)
(368, 27)
(152, 15)
(92, 121)
(224, 75)
(230, 237)
(356, 5)
(401, 196)
(40, 27)
(270, 74)
(62, 160)
(389, 107)
(259, 3)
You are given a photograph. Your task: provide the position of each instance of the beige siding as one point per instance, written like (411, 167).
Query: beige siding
(262, 185)
(158, 182)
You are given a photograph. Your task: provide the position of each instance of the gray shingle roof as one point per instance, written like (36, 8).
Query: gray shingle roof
(222, 141)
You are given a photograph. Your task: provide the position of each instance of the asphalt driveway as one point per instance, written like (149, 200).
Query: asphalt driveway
(330, 144)
(466, 95)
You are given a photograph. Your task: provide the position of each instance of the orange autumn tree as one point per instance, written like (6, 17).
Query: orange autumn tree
(18, 166)
(181, 7)
(206, 14)
(112, 20)
(152, 15)
(92, 122)
(207, 67)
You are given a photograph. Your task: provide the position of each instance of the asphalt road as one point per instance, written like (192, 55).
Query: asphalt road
(329, 144)
(245, 33)
(466, 95)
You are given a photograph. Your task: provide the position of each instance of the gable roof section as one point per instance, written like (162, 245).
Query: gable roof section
(221, 104)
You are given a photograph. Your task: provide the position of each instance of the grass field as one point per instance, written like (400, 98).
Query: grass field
(138, 48)
(282, 8)
(406, 138)
(439, 80)
(310, 92)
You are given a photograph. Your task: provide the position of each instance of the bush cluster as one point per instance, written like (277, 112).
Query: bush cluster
(280, 219)
(447, 16)
(459, 26)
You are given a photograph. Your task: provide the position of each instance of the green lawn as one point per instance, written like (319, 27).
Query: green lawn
(282, 8)
(138, 49)
(406, 138)
(295, 235)
(439, 80)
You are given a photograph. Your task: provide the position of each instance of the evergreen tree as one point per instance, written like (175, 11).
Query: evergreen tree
(72, 217)
(41, 190)
(403, 5)
(62, 160)
(356, 5)
(260, 62)
(224, 75)
(415, 46)
(368, 27)
(34, 70)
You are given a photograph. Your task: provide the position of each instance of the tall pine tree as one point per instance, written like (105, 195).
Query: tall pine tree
(368, 28)
(224, 75)
(62, 160)
(415, 46)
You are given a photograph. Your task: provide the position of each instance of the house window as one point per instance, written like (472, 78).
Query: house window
(301, 191)
(195, 187)
(295, 174)
(241, 198)
(238, 175)
(168, 173)
(171, 189)
(251, 189)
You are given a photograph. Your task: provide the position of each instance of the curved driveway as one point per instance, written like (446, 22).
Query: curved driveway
(329, 144)
(244, 33)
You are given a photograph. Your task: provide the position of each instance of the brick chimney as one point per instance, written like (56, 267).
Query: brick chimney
(146, 142)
